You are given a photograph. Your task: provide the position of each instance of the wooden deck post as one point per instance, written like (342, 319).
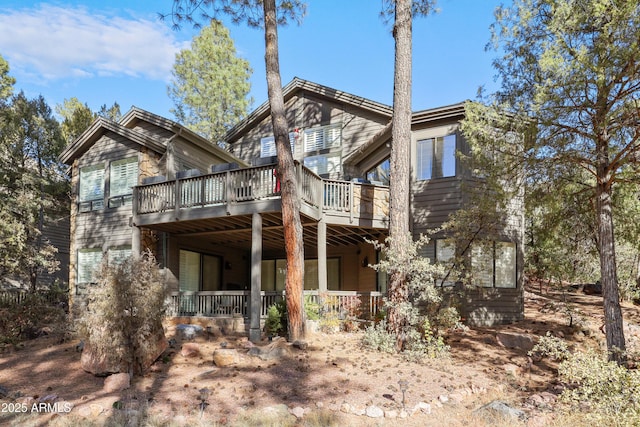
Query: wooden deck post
(136, 241)
(256, 276)
(322, 255)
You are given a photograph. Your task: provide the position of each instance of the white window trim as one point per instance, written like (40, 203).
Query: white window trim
(323, 162)
(322, 137)
(268, 145)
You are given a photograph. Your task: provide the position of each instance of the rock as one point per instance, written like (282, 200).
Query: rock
(403, 414)
(391, 414)
(319, 405)
(156, 367)
(190, 350)
(297, 412)
(274, 351)
(536, 400)
(512, 369)
(422, 407)
(189, 332)
(592, 288)
(443, 398)
(50, 398)
(548, 397)
(90, 411)
(247, 344)
(110, 363)
(358, 411)
(225, 357)
(374, 412)
(517, 341)
(456, 397)
(502, 409)
(346, 408)
(302, 345)
(116, 382)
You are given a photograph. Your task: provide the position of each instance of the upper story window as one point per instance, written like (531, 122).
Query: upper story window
(323, 137)
(91, 192)
(268, 145)
(380, 173)
(436, 157)
(123, 176)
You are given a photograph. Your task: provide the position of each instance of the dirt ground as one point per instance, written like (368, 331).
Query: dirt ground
(333, 381)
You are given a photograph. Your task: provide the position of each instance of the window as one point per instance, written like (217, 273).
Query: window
(445, 254)
(268, 145)
(493, 264)
(199, 272)
(117, 255)
(91, 192)
(505, 254)
(323, 137)
(380, 173)
(123, 176)
(274, 274)
(323, 164)
(436, 157)
(88, 261)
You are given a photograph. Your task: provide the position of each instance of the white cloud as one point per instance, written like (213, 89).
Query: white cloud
(49, 43)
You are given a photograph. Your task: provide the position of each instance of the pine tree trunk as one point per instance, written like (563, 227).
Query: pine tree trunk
(399, 199)
(293, 238)
(611, 294)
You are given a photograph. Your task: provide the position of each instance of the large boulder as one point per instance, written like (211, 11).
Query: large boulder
(226, 357)
(277, 350)
(101, 364)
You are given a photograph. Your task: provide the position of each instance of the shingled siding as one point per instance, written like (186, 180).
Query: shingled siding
(306, 111)
(151, 130)
(487, 306)
(108, 227)
(433, 201)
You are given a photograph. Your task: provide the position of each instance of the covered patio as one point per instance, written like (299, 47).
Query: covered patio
(236, 213)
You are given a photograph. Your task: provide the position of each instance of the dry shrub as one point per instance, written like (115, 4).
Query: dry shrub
(33, 315)
(125, 310)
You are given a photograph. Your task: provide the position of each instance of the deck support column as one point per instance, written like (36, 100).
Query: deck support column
(136, 242)
(322, 256)
(256, 278)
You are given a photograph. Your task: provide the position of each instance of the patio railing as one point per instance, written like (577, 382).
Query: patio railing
(257, 183)
(363, 305)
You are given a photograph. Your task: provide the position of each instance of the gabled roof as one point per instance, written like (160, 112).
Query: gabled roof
(297, 85)
(123, 128)
(418, 118)
(98, 128)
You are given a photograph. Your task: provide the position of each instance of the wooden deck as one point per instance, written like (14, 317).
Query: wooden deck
(256, 190)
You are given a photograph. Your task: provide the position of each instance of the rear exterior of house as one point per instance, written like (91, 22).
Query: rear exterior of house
(213, 218)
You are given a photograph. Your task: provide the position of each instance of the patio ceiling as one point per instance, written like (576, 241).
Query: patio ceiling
(235, 232)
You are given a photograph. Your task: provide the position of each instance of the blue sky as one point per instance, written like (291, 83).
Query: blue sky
(101, 52)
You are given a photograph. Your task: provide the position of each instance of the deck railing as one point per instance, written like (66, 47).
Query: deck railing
(256, 183)
(363, 305)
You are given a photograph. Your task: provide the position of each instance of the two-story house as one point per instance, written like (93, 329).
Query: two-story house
(213, 217)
